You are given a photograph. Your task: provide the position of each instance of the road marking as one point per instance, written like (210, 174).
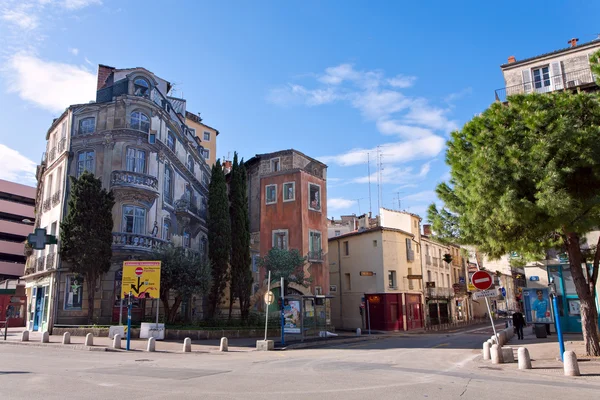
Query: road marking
(441, 345)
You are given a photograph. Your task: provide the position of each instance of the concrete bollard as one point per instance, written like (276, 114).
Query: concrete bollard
(502, 339)
(496, 354)
(89, 339)
(507, 355)
(116, 341)
(224, 344)
(570, 364)
(524, 359)
(187, 345)
(25, 336)
(486, 351)
(45, 337)
(151, 345)
(358, 332)
(66, 338)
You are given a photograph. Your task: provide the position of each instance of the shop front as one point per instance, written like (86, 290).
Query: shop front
(39, 295)
(394, 311)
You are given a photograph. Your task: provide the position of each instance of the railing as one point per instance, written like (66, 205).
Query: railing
(47, 205)
(51, 154)
(61, 145)
(39, 263)
(440, 292)
(119, 178)
(137, 241)
(315, 255)
(55, 198)
(184, 205)
(568, 80)
(50, 259)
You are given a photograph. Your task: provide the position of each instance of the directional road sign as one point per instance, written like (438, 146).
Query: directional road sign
(482, 280)
(141, 278)
(485, 293)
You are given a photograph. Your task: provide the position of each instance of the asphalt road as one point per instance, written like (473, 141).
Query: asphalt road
(419, 367)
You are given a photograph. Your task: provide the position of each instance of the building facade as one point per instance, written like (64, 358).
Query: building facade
(346, 224)
(287, 200)
(376, 272)
(135, 139)
(438, 277)
(205, 136)
(567, 68)
(17, 216)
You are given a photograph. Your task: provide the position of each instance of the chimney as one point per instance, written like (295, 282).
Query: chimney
(512, 59)
(104, 72)
(573, 42)
(427, 229)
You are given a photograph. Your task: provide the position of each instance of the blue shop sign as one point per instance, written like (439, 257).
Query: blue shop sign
(534, 278)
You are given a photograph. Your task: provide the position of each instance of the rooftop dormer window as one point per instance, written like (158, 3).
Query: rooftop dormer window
(141, 87)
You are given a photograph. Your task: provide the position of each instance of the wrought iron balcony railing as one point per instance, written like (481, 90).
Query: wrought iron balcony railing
(441, 292)
(134, 179)
(51, 154)
(50, 259)
(55, 198)
(61, 145)
(567, 80)
(315, 256)
(40, 263)
(47, 205)
(137, 241)
(185, 206)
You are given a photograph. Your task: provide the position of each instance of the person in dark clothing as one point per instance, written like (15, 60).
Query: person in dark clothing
(518, 323)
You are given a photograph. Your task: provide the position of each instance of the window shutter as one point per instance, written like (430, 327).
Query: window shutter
(526, 80)
(557, 79)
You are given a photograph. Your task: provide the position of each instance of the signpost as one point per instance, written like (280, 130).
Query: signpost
(485, 293)
(141, 280)
(267, 308)
(483, 281)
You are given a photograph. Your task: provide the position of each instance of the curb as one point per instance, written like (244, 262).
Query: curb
(324, 343)
(56, 346)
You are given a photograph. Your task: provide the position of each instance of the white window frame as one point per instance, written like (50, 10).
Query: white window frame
(84, 163)
(392, 279)
(206, 154)
(320, 207)
(311, 233)
(136, 160)
(267, 194)
(280, 232)
(275, 162)
(543, 88)
(293, 191)
(135, 216)
(204, 136)
(171, 141)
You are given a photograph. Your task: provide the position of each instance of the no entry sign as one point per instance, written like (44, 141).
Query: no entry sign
(481, 280)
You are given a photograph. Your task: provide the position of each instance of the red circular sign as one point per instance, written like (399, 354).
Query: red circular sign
(481, 280)
(139, 271)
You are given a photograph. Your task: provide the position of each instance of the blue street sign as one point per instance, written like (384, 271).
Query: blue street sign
(503, 292)
(461, 279)
(534, 278)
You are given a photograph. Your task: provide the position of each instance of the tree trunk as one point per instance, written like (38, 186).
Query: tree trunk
(164, 299)
(231, 299)
(174, 308)
(91, 288)
(585, 291)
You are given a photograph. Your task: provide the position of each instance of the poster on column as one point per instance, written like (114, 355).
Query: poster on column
(291, 314)
(537, 306)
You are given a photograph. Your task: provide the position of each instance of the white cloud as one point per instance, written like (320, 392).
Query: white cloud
(297, 94)
(16, 167)
(49, 85)
(77, 4)
(402, 81)
(400, 152)
(73, 50)
(336, 204)
(425, 168)
(336, 75)
(388, 174)
(394, 127)
(421, 113)
(22, 18)
(375, 104)
(426, 196)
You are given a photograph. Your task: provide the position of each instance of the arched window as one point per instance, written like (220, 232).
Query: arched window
(168, 186)
(190, 163)
(141, 87)
(139, 121)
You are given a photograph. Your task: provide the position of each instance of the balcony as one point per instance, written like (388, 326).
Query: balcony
(132, 242)
(440, 293)
(39, 264)
(61, 145)
(127, 185)
(315, 256)
(50, 260)
(51, 154)
(47, 204)
(569, 80)
(55, 198)
(188, 213)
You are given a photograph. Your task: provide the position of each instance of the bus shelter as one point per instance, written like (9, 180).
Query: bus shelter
(306, 316)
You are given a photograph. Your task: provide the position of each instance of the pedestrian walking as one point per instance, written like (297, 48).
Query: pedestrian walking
(518, 323)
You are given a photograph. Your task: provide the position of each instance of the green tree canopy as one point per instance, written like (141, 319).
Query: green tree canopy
(525, 177)
(86, 233)
(182, 275)
(219, 236)
(286, 264)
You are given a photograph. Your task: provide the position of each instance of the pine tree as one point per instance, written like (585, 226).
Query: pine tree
(241, 276)
(86, 233)
(525, 177)
(219, 236)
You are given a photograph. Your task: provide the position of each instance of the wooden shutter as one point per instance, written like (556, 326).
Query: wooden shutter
(556, 74)
(526, 80)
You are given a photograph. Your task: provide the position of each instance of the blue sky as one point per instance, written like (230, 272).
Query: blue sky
(331, 79)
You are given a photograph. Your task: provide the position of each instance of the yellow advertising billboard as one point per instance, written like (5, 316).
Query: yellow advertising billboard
(142, 279)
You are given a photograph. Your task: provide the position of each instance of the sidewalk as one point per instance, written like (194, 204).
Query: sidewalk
(545, 355)
(171, 346)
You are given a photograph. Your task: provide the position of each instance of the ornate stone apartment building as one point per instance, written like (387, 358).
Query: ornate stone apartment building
(136, 139)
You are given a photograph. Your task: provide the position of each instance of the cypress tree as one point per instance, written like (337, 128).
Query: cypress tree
(219, 236)
(86, 233)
